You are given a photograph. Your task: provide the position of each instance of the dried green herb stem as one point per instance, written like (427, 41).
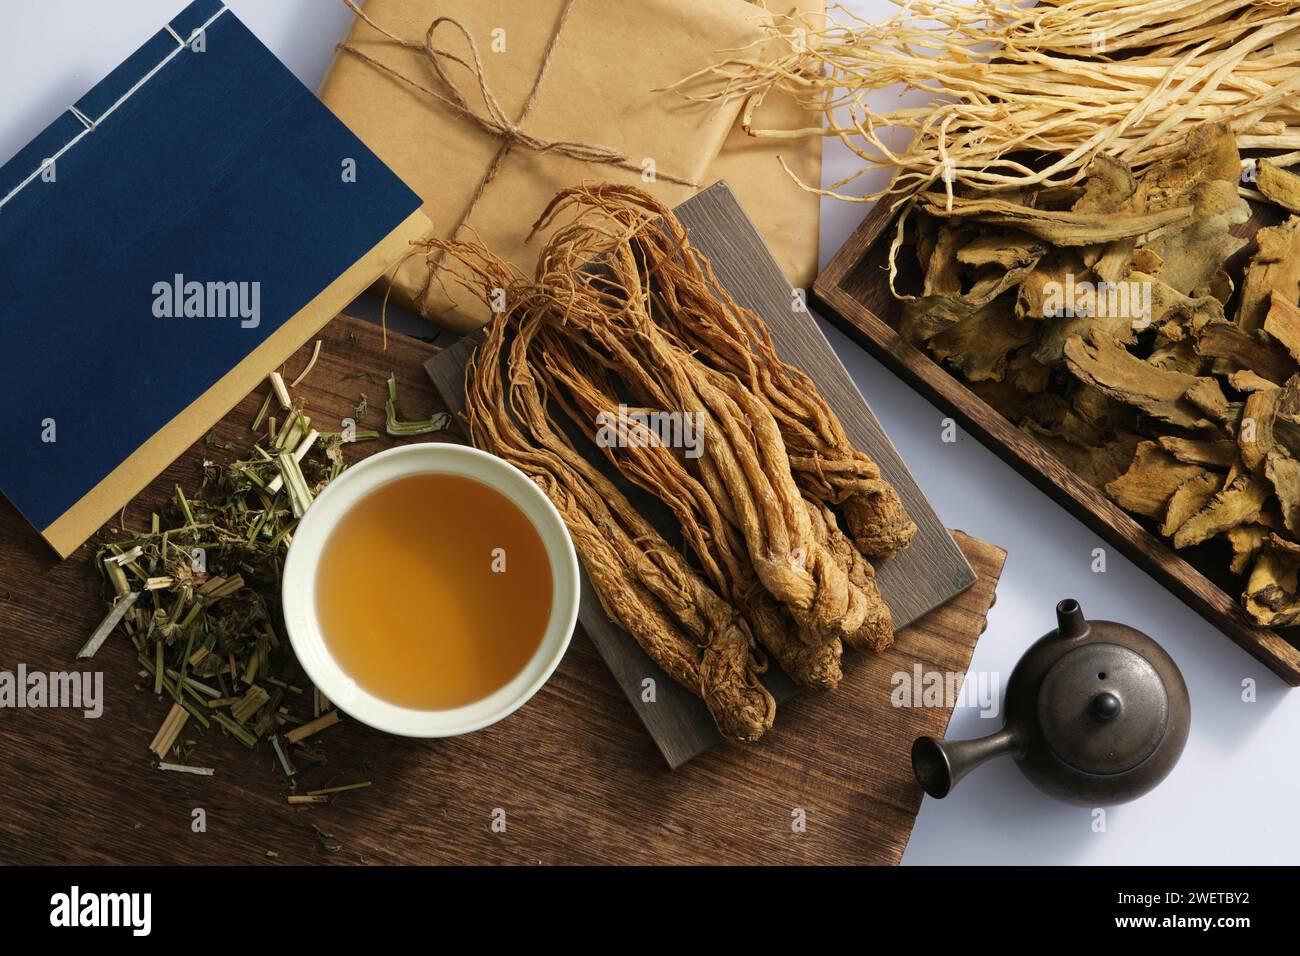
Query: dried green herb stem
(400, 429)
(198, 593)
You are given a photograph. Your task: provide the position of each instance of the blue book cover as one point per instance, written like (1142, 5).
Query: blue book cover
(164, 244)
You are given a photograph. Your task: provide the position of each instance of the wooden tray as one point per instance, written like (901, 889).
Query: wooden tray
(579, 781)
(921, 577)
(855, 293)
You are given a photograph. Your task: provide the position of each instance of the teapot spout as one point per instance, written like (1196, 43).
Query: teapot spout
(940, 764)
(1070, 622)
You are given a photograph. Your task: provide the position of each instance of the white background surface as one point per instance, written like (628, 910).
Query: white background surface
(1233, 797)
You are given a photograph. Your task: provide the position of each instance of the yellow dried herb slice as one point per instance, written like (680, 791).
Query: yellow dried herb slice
(1104, 363)
(1282, 323)
(1218, 453)
(1151, 480)
(1189, 499)
(1245, 541)
(1240, 502)
(1274, 268)
(1240, 349)
(1280, 185)
(1271, 596)
(979, 347)
(1057, 227)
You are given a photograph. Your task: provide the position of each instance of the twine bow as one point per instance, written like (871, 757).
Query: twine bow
(492, 118)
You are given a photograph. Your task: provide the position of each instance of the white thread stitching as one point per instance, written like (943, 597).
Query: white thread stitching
(85, 120)
(92, 124)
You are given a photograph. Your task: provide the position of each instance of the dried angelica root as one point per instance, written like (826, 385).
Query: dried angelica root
(645, 585)
(878, 629)
(745, 466)
(584, 392)
(692, 304)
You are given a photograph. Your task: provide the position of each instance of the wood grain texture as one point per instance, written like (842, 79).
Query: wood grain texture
(855, 293)
(575, 774)
(929, 572)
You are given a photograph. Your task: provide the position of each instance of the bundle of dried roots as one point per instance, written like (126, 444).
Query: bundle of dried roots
(623, 326)
(995, 81)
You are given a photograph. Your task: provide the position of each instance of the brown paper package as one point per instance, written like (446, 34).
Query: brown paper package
(787, 216)
(600, 88)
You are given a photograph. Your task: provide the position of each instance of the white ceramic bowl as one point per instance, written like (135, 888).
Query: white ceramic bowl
(299, 587)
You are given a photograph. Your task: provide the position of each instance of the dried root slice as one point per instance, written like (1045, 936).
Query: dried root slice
(1246, 541)
(1218, 453)
(1102, 362)
(1151, 480)
(1282, 323)
(1188, 500)
(1240, 502)
(1278, 184)
(1058, 228)
(1236, 349)
(1272, 597)
(1275, 268)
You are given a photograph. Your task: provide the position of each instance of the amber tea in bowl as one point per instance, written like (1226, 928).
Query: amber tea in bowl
(430, 590)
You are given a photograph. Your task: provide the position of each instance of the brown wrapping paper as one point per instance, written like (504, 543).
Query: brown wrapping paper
(787, 216)
(599, 88)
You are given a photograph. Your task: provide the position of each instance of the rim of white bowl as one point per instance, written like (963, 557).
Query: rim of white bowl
(299, 588)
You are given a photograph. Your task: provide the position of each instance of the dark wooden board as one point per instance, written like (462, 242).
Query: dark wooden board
(929, 572)
(578, 779)
(855, 294)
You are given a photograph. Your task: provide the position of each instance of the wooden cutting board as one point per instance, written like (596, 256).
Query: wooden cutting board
(930, 571)
(576, 776)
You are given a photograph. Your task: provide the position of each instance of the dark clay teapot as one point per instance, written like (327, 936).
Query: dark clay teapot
(1096, 713)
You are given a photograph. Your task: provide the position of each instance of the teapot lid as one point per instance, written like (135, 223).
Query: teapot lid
(1103, 708)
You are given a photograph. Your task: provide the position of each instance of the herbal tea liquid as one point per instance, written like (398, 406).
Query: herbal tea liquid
(433, 591)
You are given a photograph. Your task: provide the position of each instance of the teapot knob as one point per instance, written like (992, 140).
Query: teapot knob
(1105, 706)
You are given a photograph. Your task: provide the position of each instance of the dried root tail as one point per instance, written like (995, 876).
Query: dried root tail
(872, 627)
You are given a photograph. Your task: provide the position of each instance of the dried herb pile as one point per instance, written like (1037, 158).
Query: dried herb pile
(778, 515)
(1103, 320)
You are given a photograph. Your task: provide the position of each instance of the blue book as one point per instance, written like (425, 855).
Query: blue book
(164, 244)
